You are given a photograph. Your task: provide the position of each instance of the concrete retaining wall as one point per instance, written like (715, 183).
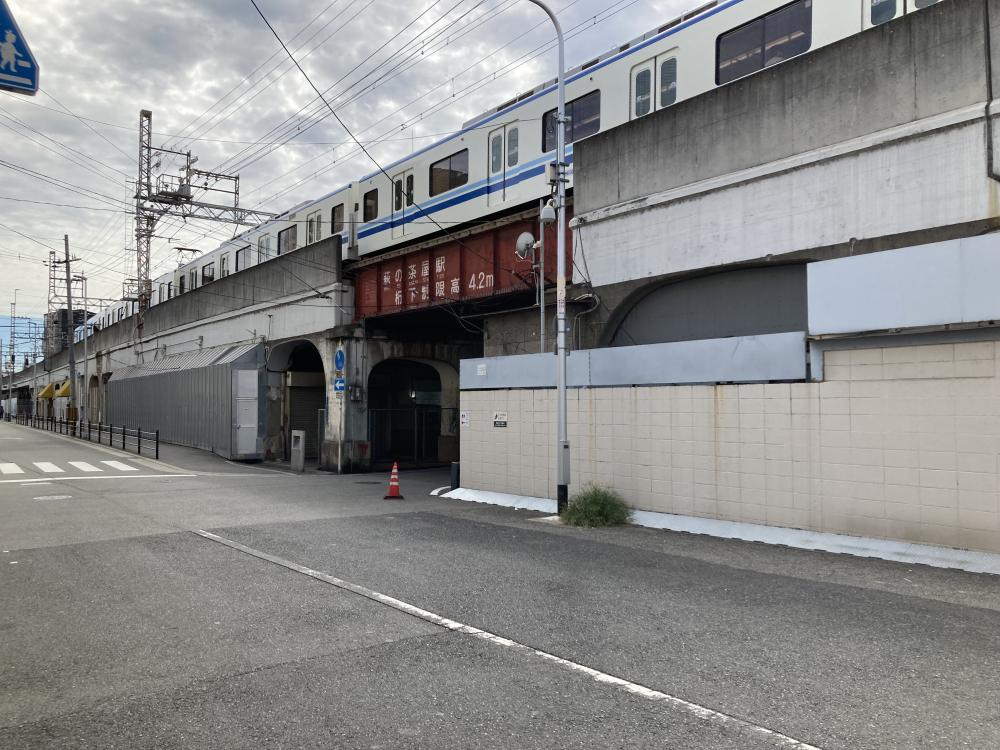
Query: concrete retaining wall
(897, 443)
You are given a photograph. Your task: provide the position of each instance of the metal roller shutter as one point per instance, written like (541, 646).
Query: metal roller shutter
(304, 406)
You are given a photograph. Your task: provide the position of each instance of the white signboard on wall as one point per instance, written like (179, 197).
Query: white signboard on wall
(499, 419)
(957, 281)
(466, 419)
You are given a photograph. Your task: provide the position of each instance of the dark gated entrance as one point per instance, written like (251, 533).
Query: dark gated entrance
(405, 435)
(404, 413)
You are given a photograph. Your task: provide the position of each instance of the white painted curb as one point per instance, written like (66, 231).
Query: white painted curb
(904, 552)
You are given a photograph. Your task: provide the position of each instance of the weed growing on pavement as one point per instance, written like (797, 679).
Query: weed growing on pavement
(596, 505)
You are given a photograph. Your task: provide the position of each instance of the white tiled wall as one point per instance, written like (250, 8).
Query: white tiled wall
(897, 443)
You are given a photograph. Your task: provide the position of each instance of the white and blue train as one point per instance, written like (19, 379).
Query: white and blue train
(497, 161)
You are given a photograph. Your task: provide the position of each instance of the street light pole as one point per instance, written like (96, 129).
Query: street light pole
(562, 440)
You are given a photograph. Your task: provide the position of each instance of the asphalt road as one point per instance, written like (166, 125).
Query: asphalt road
(122, 626)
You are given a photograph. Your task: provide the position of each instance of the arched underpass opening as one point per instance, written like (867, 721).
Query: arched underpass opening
(295, 370)
(405, 414)
(741, 302)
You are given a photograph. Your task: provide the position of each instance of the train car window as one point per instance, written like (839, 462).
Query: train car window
(787, 33)
(449, 173)
(496, 154)
(767, 41)
(224, 266)
(162, 294)
(288, 239)
(883, 11)
(181, 290)
(208, 273)
(741, 52)
(585, 120)
(409, 190)
(643, 92)
(371, 205)
(512, 154)
(668, 82)
(337, 219)
(397, 198)
(193, 279)
(170, 289)
(924, 3)
(243, 258)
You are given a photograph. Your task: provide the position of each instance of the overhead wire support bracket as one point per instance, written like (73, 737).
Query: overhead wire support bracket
(173, 195)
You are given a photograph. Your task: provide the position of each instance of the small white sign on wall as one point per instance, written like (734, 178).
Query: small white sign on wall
(499, 419)
(481, 369)
(466, 419)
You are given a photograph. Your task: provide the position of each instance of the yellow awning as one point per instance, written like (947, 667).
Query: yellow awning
(63, 390)
(48, 391)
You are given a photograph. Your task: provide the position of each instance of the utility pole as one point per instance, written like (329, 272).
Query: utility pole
(71, 414)
(34, 370)
(562, 444)
(85, 400)
(13, 352)
(541, 276)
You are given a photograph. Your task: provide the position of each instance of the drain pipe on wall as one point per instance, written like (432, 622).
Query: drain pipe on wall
(990, 166)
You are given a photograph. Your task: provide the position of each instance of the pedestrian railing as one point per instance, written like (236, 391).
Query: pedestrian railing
(129, 439)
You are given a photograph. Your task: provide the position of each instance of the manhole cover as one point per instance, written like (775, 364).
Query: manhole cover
(368, 483)
(54, 497)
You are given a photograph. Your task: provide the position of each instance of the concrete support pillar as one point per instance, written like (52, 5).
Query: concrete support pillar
(345, 448)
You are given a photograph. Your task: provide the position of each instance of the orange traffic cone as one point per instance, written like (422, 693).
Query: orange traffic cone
(394, 484)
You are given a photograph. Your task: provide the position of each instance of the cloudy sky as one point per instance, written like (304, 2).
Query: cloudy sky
(219, 85)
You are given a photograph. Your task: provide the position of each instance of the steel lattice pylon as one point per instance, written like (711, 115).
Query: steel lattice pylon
(174, 196)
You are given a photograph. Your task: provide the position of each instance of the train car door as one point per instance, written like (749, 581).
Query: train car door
(503, 153)
(495, 169)
(411, 212)
(643, 84)
(401, 200)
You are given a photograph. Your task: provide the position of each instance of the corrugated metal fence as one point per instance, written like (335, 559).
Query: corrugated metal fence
(188, 398)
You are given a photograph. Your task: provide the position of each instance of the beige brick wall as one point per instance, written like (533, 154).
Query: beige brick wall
(897, 443)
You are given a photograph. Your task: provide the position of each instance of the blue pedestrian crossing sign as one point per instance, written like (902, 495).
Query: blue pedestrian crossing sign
(18, 68)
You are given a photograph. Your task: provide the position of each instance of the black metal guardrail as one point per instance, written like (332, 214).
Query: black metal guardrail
(126, 438)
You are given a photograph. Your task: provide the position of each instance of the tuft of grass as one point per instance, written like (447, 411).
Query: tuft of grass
(596, 505)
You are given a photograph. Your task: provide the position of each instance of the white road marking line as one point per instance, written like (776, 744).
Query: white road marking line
(84, 466)
(48, 468)
(702, 712)
(10, 469)
(439, 490)
(81, 479)
(119, 465)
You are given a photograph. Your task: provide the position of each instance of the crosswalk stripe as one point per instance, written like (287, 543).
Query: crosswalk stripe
(10, 469)
(48, 468)
(84, 466)
(119, 465)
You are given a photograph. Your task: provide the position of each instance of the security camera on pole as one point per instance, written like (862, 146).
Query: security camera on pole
(557, 213)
